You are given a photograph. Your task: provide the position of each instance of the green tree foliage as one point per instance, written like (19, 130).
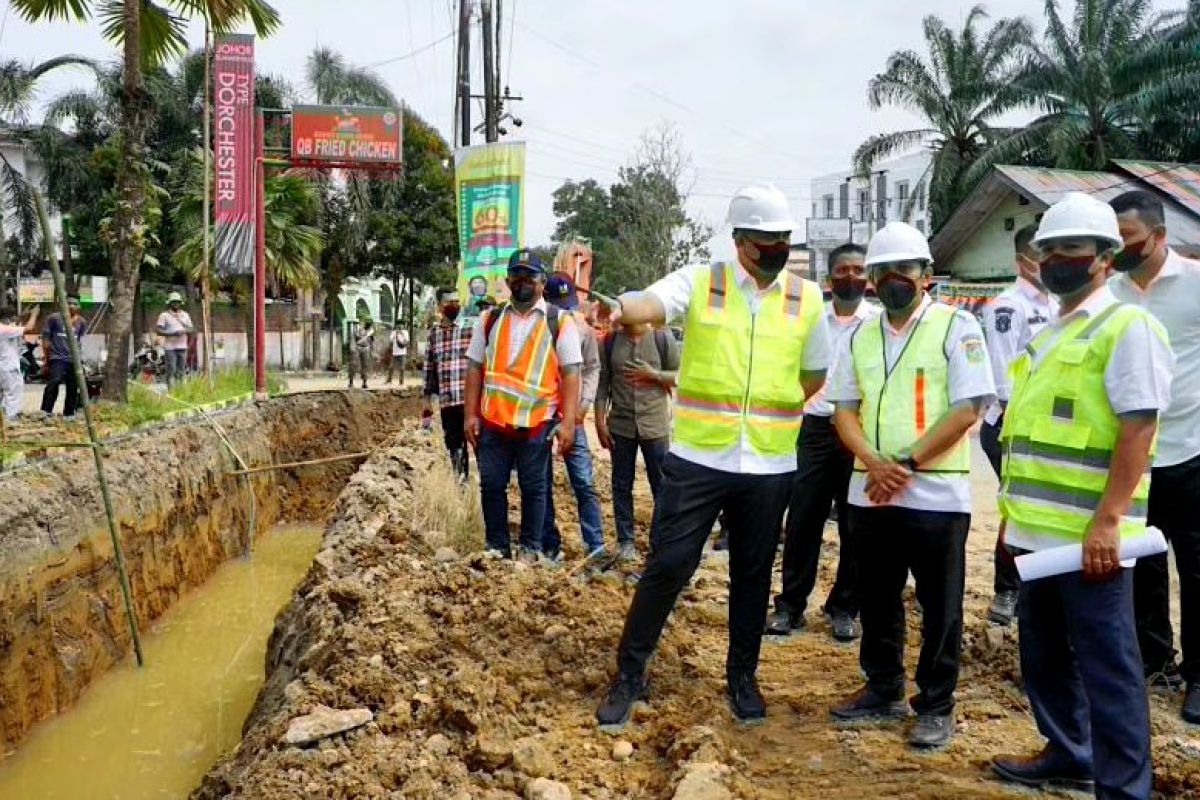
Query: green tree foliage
(638, 228)
(959, 88)
(1109, 81)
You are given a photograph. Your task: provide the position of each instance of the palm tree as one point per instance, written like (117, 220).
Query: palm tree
(1113, 81)
(18, 83)
(293, 245)
(149, 33)
(959, 89)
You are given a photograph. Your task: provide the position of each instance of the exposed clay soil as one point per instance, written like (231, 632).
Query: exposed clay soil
(483, 675)
(181, 514)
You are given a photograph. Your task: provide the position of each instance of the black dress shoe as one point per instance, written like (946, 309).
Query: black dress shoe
(867, 706)
(783, 623)
(617, 708)
(842, 626)
(1046, 769)
(1191, 704)
(1003, 608)
(745, 700)
(932, 730)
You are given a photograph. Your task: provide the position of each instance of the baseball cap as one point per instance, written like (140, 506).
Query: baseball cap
(560, 290)
(527, 259)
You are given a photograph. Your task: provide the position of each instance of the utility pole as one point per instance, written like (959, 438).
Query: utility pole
(491, 122)
(464, 70)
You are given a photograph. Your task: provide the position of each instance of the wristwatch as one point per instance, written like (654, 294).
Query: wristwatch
(908, 462)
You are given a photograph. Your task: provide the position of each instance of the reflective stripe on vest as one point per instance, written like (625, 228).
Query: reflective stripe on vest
(1060, 430)
(520, 394)
(900, 403)
(743, 370)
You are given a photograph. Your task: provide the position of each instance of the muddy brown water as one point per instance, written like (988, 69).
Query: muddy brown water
(152, 732)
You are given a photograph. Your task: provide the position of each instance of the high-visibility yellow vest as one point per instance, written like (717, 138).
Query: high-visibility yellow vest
(901, 403)
(520, 394)
(741, 371)
(1060, 429)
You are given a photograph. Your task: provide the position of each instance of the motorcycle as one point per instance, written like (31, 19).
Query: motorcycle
(149, 365)
(31, 367)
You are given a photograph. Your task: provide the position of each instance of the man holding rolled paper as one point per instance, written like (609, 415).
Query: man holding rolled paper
(1077, 438)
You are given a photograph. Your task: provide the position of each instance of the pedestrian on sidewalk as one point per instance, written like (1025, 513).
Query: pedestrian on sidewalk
(638, 366)
(12, 339)
(1078, 438)
(823, 467)
(445, 376)
(522, 391)
(174, 326)
(57, 353)
(1152, 275)
(399, 356)
(362, 351)
(756, 347)
(907, 388)
(1009, 324)
(561, 293)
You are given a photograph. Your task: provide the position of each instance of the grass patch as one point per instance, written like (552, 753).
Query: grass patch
(446, 505)
(147, 405)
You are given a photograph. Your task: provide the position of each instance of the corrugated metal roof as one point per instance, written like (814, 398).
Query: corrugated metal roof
(1044, 187)
(1181, 182)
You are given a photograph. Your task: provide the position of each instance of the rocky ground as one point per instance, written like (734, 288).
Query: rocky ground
(453, 675)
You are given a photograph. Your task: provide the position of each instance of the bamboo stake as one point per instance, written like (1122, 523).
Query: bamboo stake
(40, 443)
(310, 462)
(60, 289)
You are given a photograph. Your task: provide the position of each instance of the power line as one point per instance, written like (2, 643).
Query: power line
(414, 53)
(576, 54)
(512, 29)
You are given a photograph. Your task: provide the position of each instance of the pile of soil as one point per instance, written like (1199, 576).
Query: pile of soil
(482, 677)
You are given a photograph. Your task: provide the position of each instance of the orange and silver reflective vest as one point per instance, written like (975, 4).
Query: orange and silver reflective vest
(519, 394)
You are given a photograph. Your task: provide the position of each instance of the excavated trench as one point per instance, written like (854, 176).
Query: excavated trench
(181, 515)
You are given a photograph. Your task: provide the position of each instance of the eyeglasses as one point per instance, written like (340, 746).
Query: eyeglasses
(767, 238)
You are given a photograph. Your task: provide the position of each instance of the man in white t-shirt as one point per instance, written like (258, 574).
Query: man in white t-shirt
(908, 386)
(823, 468)
(174, 326)
(1152, 275)
(399, 339)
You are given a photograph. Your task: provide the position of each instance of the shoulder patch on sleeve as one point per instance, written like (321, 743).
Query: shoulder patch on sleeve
(1004, 317)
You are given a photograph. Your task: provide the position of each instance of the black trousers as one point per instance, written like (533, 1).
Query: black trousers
(61, 372)
(891, 542)
(689, 500)
(1007, 579)
(1172, 491)
(453, 419)
(822, 477)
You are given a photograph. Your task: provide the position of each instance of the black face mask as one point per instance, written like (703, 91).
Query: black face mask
(1130, 258)
(1067, 275)
(772, 258)
(849, 288)
(522, 291)
(895, 292)
(451, 311)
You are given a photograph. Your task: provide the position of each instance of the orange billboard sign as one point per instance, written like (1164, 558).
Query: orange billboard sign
(346, 134)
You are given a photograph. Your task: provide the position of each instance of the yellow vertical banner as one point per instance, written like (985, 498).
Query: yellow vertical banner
(489, 183)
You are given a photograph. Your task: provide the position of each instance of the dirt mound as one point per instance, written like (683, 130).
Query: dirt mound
(482, 676)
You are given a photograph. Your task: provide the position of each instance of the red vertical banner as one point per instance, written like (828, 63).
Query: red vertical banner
(233, 143)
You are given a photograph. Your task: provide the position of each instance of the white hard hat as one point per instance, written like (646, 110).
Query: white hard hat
(761, 208)
(898, 241)
(1079, 214)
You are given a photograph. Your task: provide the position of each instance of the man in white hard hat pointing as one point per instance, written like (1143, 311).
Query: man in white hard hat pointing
(907, 387)
(756, 347)
(1078, 437)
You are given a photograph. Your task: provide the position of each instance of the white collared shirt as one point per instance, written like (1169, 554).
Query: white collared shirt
(1009, 323)
(1137, 378)
(840, 329)
(675, 293)
(969, 377)
(1173, 297)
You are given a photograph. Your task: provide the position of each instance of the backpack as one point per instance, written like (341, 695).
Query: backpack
(552, 319)
(660, 341)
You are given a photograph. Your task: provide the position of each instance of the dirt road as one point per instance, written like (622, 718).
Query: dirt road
(483, 676)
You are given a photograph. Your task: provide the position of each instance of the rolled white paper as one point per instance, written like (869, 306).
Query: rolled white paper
(1069, 557)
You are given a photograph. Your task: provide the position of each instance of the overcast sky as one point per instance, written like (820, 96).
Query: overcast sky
(759, 89)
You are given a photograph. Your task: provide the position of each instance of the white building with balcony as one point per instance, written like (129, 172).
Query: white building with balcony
(849, 208)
